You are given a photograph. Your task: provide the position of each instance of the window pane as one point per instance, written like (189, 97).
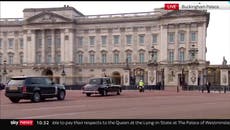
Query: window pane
(141, 39)
(116, 58)
(181, 37)
(58, 59)
(116, 39)
(171, 37)
(193, 36)
(154, 39)
(10, 44)
(103, 58)
(21, 43)
(48, 59)
(80, 41)
(21, 59)
(171, 56)
(91, 58)
(80, 58)
(129, 56)
(181, 55)
(129, 39)
(103, 40)
(92, 40)
(142, 58)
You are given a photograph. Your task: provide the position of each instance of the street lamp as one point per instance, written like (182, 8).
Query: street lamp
(153, 61)
(193, 52)
(194, 62)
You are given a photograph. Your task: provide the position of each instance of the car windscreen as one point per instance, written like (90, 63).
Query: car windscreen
(17, 81)
(95, 81)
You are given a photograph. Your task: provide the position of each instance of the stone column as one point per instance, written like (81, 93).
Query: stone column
(25, 50)
(43, 47)
(32, 49)
(224, 77)
(163, 43)
(62, 45)
(52, 46)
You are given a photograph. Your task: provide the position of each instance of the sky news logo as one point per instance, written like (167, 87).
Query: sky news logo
(22, 123)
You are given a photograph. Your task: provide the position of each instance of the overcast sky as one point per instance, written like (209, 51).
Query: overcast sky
(218, 33)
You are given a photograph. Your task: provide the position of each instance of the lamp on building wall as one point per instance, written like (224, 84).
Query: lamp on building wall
(63, 74)
(63, 70)
(4, 69)
(4, 73)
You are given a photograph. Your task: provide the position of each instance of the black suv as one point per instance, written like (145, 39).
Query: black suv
(34, 88)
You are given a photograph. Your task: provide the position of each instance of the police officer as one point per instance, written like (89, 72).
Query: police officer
(141, 86)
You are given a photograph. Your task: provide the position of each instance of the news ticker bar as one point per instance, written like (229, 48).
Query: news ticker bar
(17, 123)
(193, 6)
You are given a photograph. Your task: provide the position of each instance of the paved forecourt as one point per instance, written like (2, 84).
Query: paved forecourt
(131, 104)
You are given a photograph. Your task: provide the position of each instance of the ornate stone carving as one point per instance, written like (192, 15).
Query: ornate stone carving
(193, 77)
(224, 61)
(48, 18)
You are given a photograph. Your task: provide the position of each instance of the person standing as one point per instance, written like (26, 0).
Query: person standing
(208, 84)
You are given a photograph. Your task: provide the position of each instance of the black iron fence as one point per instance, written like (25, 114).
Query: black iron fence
(219, 88)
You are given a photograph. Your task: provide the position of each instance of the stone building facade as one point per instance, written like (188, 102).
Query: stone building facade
(160, 46)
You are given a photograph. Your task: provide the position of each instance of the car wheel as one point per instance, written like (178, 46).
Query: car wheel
(61, 95)
(118, 92)
(36, 97)
(104, 93)
(14, 100)
(43, 99)
(88, 94)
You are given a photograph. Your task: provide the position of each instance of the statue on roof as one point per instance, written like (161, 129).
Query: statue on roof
(224, 61)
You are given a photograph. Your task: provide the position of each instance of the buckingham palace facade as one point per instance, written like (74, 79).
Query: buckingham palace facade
(159, 46)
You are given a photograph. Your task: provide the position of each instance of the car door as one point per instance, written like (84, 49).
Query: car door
(108, 84)
(50, 88)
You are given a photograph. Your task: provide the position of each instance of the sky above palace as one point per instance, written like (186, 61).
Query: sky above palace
(218, 32)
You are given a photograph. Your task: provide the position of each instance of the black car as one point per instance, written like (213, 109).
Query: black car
(33, 88)
(2, 86)
(103, 86)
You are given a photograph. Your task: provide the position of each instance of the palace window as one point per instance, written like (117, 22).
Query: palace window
(181, 37)
(129, 39)
(103, 40)
(103, 58)
(154, 38)
(11, 42)
(141, 39)
(80, 42)
(116, 39)
(142, 57)
(171, 55)
(92, 58)
(171, 37)
(92, 40)
(116, 58)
